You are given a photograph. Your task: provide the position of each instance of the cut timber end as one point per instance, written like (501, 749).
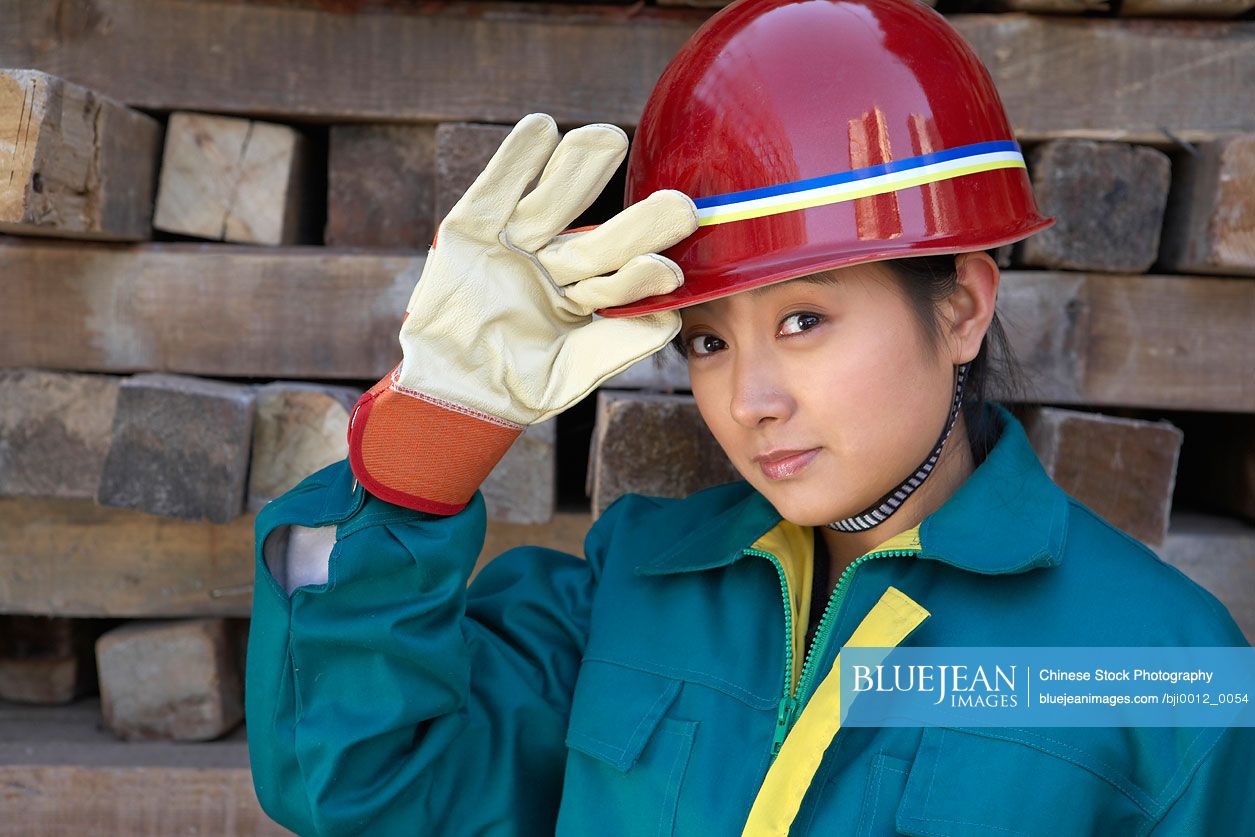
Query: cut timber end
(73, 163)
(230, 179)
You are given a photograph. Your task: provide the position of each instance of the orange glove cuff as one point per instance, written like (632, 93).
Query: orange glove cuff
(418, 451)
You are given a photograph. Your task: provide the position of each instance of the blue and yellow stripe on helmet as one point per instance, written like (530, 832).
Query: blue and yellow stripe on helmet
(859, 183)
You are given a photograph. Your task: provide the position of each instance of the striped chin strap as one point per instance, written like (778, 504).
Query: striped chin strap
(879, 511)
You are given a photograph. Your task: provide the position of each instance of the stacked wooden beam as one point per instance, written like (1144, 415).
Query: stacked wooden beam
(201, 269)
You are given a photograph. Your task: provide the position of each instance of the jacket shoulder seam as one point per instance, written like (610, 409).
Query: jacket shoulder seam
(1187, 777)
(1202, 594)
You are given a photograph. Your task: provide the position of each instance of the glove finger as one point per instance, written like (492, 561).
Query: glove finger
(579, 169)
(648, 226)
(592, 353)
(645, 275)
(482, 212)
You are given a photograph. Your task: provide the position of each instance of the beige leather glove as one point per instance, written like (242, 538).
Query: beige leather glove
(499, 332)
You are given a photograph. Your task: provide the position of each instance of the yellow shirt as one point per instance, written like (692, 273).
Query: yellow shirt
(794, 548)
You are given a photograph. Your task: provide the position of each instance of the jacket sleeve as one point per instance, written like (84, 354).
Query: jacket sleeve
(392, 699)
(1219, 799)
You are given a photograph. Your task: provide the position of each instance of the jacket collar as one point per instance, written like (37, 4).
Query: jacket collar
(1009, 516)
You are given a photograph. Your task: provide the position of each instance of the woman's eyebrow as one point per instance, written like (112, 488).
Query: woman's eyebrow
(813, 278)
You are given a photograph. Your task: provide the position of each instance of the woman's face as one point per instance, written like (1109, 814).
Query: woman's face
(839, 373)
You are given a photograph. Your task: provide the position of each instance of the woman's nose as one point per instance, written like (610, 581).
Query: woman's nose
(758, 395)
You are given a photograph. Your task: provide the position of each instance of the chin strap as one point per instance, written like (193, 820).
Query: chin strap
(879, 511)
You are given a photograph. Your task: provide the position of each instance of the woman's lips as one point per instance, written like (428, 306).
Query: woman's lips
(778, 469)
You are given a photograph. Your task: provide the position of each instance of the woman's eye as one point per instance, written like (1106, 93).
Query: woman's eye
(799, 322)
(704, 344)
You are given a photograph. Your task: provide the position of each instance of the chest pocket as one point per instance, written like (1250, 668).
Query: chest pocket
(627, 760)
(965, 783)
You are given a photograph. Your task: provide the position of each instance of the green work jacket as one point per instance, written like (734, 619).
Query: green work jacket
(642, 688)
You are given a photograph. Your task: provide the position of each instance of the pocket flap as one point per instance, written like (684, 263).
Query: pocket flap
(615, 710)
(984, 782)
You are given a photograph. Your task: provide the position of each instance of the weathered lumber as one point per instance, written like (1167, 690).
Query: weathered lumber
(664, 370)
(301, 427)
(1124, 469)
(55, 431)
(298, 428)
(180, 447)
(76, 558)
(1134, 341)
(229, 179)
(1106, 70)
(381, 186)
(697, 4)
(215, 310)
(1062, 7)
(496, 62)
(72, 162)
(1210, 222)
(48, 660)
(1108, 202)
(61, 773)
(565, 531)
(462, 151)
(652, 444)
(1185, 8)
(1093, 339)
(1219, 554)
(521, 487)
(174, 679)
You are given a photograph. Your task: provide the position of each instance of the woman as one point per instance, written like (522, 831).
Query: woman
(674, 678)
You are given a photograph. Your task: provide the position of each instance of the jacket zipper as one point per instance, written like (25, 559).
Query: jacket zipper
(785, 710)
(790, 703)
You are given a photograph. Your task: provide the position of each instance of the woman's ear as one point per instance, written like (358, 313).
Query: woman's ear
(971, 305)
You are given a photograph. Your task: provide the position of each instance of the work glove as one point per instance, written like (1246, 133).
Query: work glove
(499, 331)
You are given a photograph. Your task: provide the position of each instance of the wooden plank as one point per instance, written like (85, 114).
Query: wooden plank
(1185, 8)
(1219, 554)
(1054, 7)
(203, 309)
(491, 62)
(62, 773)
(75, 558)
(73, 163)
(443, 63)
(1133, 341)
(1133, 80)
(136, 801)
(564, 532)
(225, 310)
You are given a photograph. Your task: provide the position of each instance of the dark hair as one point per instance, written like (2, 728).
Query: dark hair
(925, 282)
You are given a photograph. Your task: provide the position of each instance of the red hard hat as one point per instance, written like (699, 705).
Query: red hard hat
(814, 134)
